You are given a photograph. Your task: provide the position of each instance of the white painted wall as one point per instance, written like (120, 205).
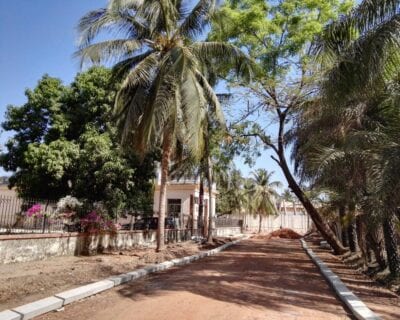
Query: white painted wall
(299, 223)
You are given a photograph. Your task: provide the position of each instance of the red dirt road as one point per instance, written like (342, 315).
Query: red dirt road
(256, 279)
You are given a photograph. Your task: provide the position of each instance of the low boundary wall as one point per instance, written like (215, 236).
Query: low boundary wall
(300, 223)
(227, 231)
(31, 247)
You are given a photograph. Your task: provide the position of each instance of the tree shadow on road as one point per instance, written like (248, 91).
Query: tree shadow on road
(273, 275)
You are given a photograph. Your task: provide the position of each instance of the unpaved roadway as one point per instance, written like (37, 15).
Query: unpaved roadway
(255, 279)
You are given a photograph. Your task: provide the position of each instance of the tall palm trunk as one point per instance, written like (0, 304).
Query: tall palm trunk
(201, 205)
(361, 239)
(165, 162)
(260, 224)
(210, 213)
(352, 235)
(352, 230)
(375, 243)
(344, 235)
(206, 221)
(389, 233)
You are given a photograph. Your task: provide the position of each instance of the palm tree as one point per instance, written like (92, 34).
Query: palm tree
(361, 55)
(361, 49)
(264, 194)
(164, 94)
(287, 196)
(353, 150)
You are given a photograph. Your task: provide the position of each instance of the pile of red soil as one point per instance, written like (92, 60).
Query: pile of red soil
(284, 233)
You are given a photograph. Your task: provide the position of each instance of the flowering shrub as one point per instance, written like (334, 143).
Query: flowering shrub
(67, 207)
(95, 222)
(35, 211)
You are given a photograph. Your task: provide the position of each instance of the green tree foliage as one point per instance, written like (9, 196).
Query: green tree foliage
(64, 142)
(165, 92)
(278, 35)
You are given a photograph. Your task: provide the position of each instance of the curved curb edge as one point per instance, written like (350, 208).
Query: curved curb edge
(356, 306)
(36, 308)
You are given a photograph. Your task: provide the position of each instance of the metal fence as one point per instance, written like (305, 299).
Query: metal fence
(224, 222)
(13, 218)
(180, 235)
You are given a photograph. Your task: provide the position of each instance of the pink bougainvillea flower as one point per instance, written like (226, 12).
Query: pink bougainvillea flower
(35, 210)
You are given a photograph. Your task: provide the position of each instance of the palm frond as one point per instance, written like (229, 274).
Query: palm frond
(371, 59)
(369, 14)
(211, 97)
(193, 113)
(224, 54)
(108, 51)
(194, 23)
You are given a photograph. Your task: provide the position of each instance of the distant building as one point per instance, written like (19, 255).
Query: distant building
(290, 207)
(183, 199)
(290, 215)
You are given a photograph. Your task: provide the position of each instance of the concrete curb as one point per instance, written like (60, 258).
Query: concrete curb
(356, 306)
(30, 310)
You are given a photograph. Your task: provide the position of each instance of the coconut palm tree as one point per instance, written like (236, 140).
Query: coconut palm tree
(287, 196)
(353, 150)
(263, 194)
(361, 49)
(164, 96)
(361, 55)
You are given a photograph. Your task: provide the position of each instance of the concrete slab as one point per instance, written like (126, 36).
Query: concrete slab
(10, 315)
(134, 275)
(120, 279)
(30, 310)
(167, 264)
(84, 291)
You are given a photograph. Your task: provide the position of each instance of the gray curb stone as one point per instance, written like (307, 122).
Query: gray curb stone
(84, 291)
(30, 310)
(39, 307)
(356, 306)
(10, 315)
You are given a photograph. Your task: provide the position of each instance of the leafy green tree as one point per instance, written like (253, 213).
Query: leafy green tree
(64, 142)
(165, 93)
(278, 36)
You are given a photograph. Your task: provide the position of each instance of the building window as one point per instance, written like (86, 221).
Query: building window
(174, 207)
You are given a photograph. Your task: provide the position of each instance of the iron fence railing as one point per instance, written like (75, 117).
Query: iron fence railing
(13, 217)
(179, 235)
(222, 222)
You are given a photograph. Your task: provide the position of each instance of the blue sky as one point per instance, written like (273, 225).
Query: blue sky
(38, 37)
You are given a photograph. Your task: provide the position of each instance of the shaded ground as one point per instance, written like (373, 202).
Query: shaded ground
(379, 299)
(256, 279)
(22, 283)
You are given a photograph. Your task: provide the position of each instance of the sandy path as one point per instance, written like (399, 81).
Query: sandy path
(21, 283)
(256, 279)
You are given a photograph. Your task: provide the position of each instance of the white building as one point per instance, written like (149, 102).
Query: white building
(291, 207)
(183, 198)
